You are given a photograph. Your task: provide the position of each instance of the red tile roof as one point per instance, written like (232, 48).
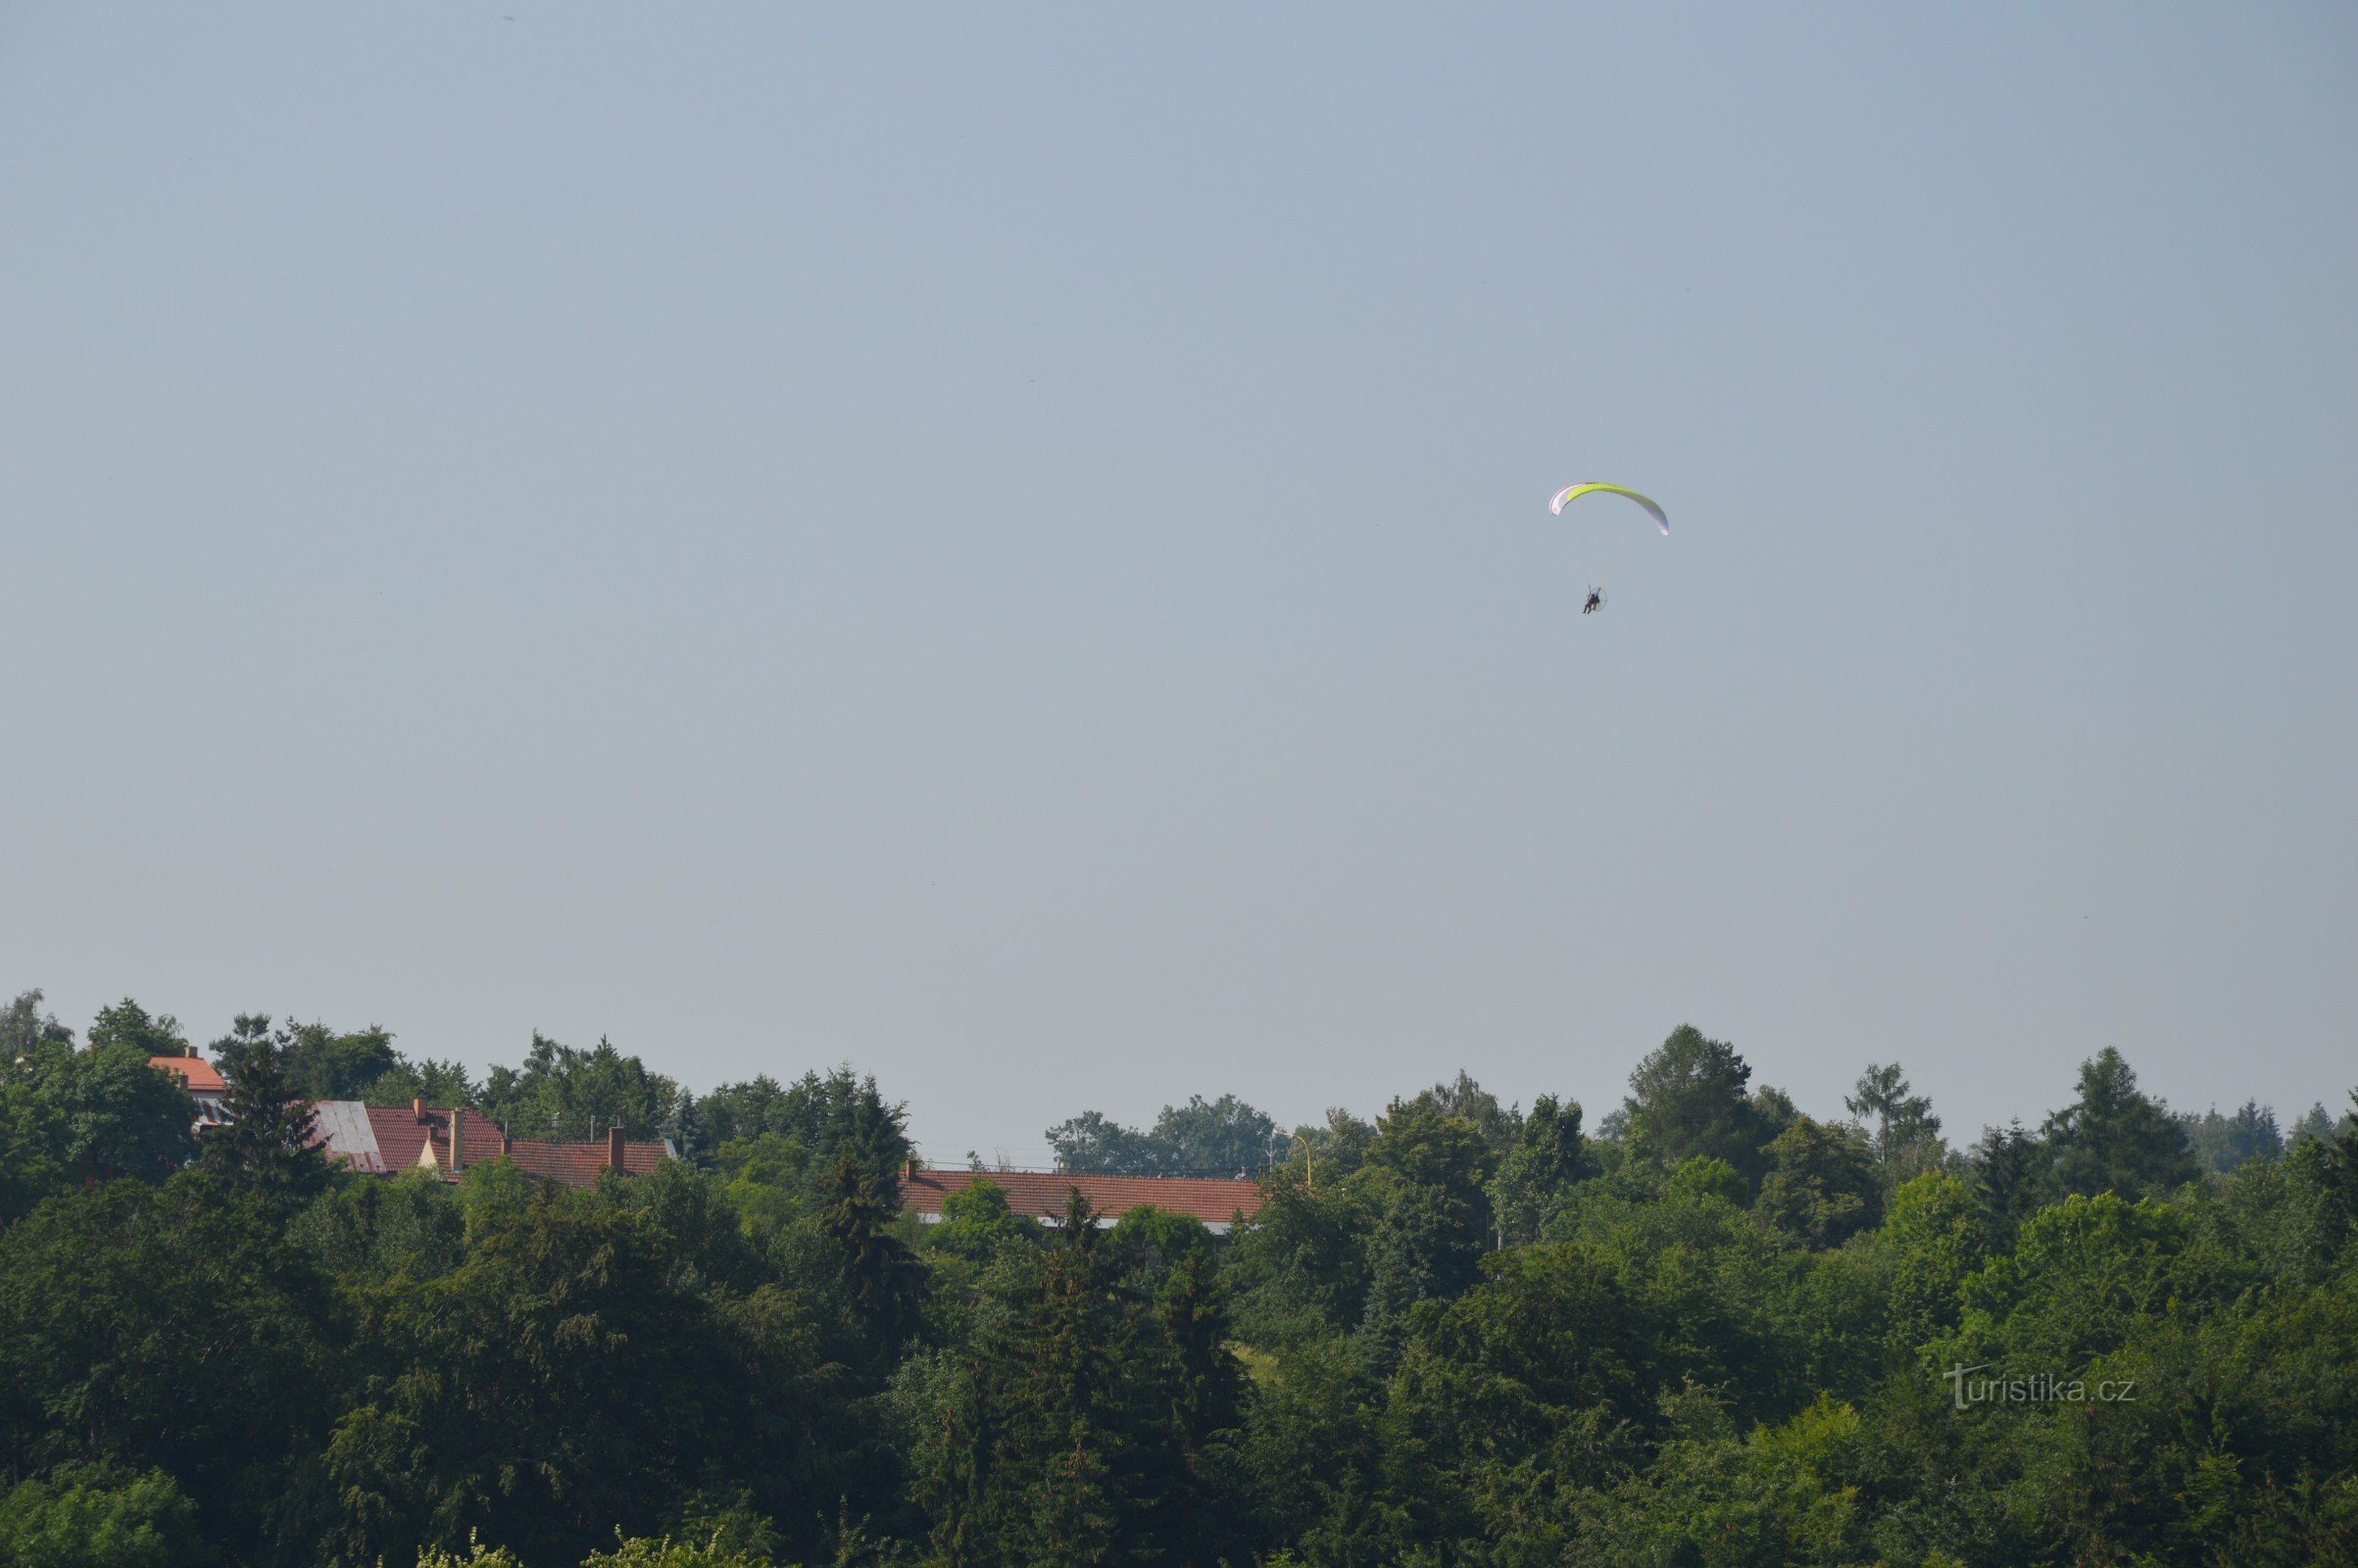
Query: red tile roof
(571, 1164)
(1041, 1193)
(401, 1136)
(199, 1075)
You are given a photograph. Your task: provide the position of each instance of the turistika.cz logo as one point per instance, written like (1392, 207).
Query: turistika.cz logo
(2039, 1387)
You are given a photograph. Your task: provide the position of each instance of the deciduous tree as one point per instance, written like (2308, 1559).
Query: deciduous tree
(1821, 1187)
(1687, 1098)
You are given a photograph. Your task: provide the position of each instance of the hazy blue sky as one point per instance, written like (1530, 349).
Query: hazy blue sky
(1008, 545)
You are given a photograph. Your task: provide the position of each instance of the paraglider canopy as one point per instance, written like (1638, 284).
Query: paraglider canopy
(1573, 492)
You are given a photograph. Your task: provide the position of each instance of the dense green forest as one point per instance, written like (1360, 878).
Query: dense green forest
(1707, 1329)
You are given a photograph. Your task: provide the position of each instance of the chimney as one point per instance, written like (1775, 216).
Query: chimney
(613, 1148)
(507, 1143)
(458, 1139)
(418, 1108)
(908, 1171)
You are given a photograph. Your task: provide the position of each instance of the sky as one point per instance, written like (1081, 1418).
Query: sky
(1007, 547)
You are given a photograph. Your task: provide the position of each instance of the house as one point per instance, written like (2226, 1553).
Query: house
(1218, 1202)
(203, 1081)
(387, 1140)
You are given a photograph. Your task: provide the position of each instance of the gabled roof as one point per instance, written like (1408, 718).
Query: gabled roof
(1040, 1194)
(200, 1076)
(388, 1139)
(571, 1164)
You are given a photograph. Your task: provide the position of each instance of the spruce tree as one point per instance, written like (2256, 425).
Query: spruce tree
(884, 1277)
(2013, 1179)
(268, 1145)
(1068, 1433)
(2114, 1139)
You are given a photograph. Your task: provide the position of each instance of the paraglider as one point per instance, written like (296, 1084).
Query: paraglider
(1605, 537)
(1573, 492)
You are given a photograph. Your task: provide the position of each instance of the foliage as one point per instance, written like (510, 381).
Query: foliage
(269, 1145)
(833, 1116)
(1302, 1266)
(569, 1336)
(1095, 1142)
(1719, 1331)
(666, 1552)
(170, 1328)
(2013, 1172)
(1220, 1137)
(1224, 1136)
(2080, 1277)
(128, 1026)
(1821, 1188)
(23, 1026)
(95, 1516)
(689, 1128)
(2113, 1139)
(1470, 1103)
(730, 1525)
(976, 1223)
(880, 1274)
(1548, 1154)
(562, 1092)
(31, 1164)
(2315, 1123)
(87, 1115)
(1932, 1236)
(1150, 1243)
(437, 1083)
(477, 1555)
(1428, 1171)
(1080, 1424)
(1907, 1135)
(2221, 1143)
(1689, 1098)
(410, 1226)
(324, 1064)
(1329, 1151)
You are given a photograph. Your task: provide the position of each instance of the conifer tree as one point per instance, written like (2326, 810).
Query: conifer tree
(268, 1145)
(1207, 1385)
(2013, 1176)
(884, 1275)
(1067, 1432)
(2115, 1140)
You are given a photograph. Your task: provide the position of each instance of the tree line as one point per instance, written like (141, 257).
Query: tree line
(1707, 1328)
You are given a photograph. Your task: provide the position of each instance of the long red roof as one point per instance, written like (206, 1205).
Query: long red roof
(1041, 1193)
